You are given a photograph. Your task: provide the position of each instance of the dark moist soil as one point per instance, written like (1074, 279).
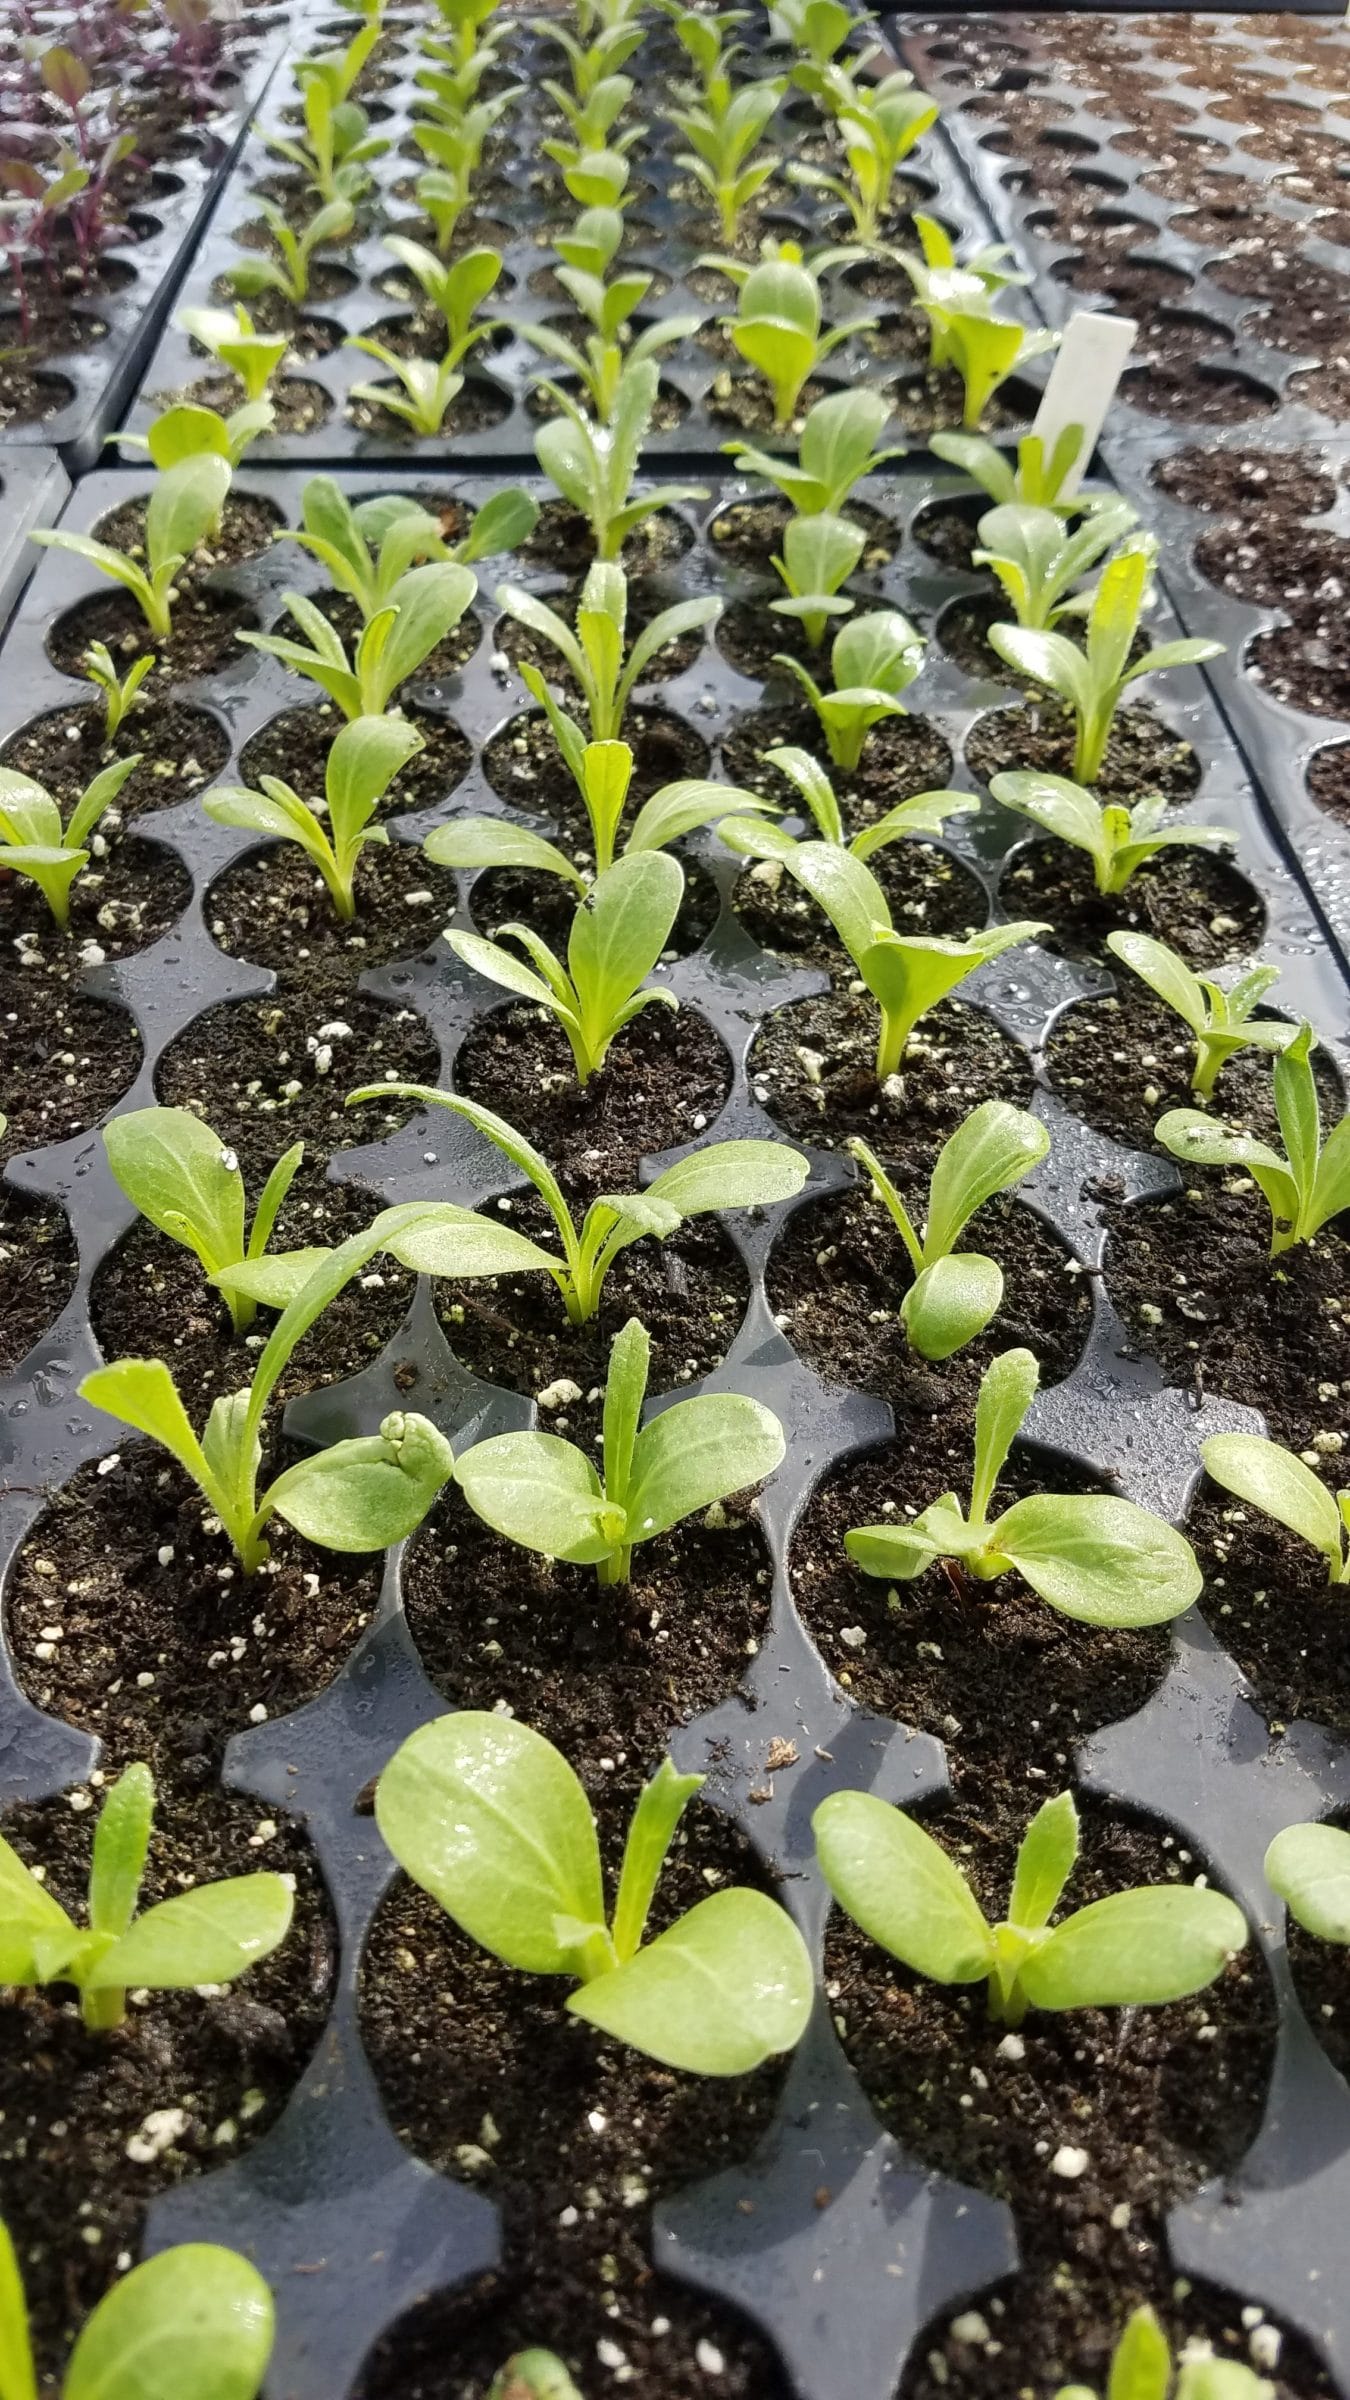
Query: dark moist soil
(527, 895)
(234, 1063)
(563, 540)
(1143, 755)
(1305, 305)
(1197, 392)
(1272, 564)
(948, 530)
(1319, 1979)
(129, 894)
(524, 767)
(813, 1067)
(64, 1060)
(1328, 780)
(27, 398)
(248, 524)
(294, 747)
(963, 631)
(750, 533)
(1190, 898)
(901, 756)
(82, 2147)
(839, 1273)
(38, 1267)
(300, 404)
(203, 641)
(751, 634)
(928, 891)
(513, 1330)
(1268, 1601)
(665, 1079)
(1275, 484)
(483, 2073)
(1159, 2100)
(1194, 1282)
(182, 750)
(744, 404)
(1305, 669)
(934, 401)
(275, 909)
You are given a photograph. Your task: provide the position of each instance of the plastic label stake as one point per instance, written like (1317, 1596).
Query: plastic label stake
(1082, 385)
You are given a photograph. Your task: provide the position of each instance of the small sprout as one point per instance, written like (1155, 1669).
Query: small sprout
(1035, 482)
(357, 1495)
(878, 125)
(455, 292)
(760, 837)
(183, 1180)
(1117, 839)
(837, 448)
(591, 120)
(291, 274)
(119, 691)
(1309, 1867)
(458, 1242)
(1095, 1558)
(489, 1819)
(955, 1294)
(609, 354)
(202, 2314)
(1273, 1480)
(1134, 1949)
(1306, 1187)
(367, 547)
(592, 59)
(619, 931)
(184, 505)
(544, 1493)
(594, 654)
(190, 430)
(33, 841)
(229, 336)
(212, 1934)
(593, 466)
(777, 327)
(337, 146)
(819, 554)
(602, 772)
(958, 299)
(1141, 2369)
(533, 2375)
(1037, 560)
(421, 608)
(872, 659)
(722, 134)
(1223, 1022)
(1093, 680)
(362, 763)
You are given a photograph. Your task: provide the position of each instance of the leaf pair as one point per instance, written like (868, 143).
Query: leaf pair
(872, 660)
(362, 763)
(1223, 1022)
(836, 450)
(291, 274)
(184, 1181)
(1118, 840)
(777, 327)
(955, 1294)
(594, 466)
(184, 505)
(34, 842)
(368, 546)
(422, 607)
(1307, 1186)
(1038, 562)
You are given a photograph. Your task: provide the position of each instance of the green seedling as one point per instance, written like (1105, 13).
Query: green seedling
(368, 546)
(777, 327)
(610, 351)
(838, 447)
(1034, 482)
(873, 659)
(183, 1179)
(593, 466)
(602, 772)
(603, 666)
(721, 139)
(119, 691)
(196, 2323)
(1038, 561)
(1309, 1867)
(955, 1294)
(362, 763)
(337, 147)
(292, 274)
(230, 337)
(533, 2375)
(1118, 840)
(33, 841)
(818, 556)
(422, 607)
(489, 1819)
(926, 812)
(879, 126)
(184, 505)
(1141, 2369)
(1306, 1187)
(1223, 1022)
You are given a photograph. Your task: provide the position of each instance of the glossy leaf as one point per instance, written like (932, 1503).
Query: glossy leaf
(196, 2323)
(1309, 1867)
(1135, 1949)
(727, 1987)
(901, 1887)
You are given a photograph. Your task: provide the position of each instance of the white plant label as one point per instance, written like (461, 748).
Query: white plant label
(1082, 385)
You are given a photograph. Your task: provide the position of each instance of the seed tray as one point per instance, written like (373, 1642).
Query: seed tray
(520, 210)
(349, 2229)
(95, 381)
(33, 488)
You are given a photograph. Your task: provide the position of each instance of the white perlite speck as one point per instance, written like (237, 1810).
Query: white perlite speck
(710, 2358)
(1069, 2163)
(158, 2132)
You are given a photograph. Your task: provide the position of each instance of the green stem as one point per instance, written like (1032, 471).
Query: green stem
(1208, 1062)
(103, 2011)
(895, 1032)
(617, 1568)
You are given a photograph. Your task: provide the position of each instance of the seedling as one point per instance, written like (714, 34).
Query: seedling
(421, 608)
(618, 933)
(190, 430)
(594, 654)
(459, 1242)
(927, 812)
(819, 554)
(598, 179)
(198, 2318)
(533, 2375)
(592, 60)
(292, 273)
(211, 1934)
(1142, 1948)
(1309, 1867)
(1095, 1558)
(609, 352)
(1306, 1187)
(1094, 680)
(488, 1818)
(544, 1493)
(1271, 1479)
(721, 139)
(1035, 482)
(229, 336)
(837, 448)
(879, 126)
(443, 194)
(593, 466)
(985, 351)
(368, 547)
(906, 974)
(1038, 561)
(872, 659)
(1223, 1022)
(1117, 839)
(1141, 2369)
(183, 1180)
(35, 844)
(362, 763)
(334, 155)
(430, 386)
(602, 772)
(185, 503)
(119, 691)
(955, 1294)
(358, 1495)
(777, 327)
(591, 121)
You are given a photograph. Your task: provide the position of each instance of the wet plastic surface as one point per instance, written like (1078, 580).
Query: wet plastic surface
(33, 489)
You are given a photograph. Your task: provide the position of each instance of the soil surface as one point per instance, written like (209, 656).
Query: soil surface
(813, 1067)
(294, 746)
(1143, 755)
(67, 1058)
(182, 751)
(38, 1267)
(1191, 899)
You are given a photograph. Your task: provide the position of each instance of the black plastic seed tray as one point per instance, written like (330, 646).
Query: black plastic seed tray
(839, 2247)
(33, 488)
(523, 203)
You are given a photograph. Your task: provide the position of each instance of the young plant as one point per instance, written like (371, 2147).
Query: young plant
(198, 2319)
(1095, 1558)
(544, 1493)
(1093, 680)
(190, 430)
(367, 547)
(593, 466)
(335, 151)
(183, 1180)
(945, 285)
(1272, 1480)
(1141, 2369)
(837, 448)
(985, 350)
(1223, 1022)
(818, 556)
(879, 126)
(590, 122)
(594, 653)
(211, 1934)
(443, 193)
(533, 2375)
(872, 659)
(1117, 839)
(926, 812)
(777, 327)
(458, 1242)
(1035, 482)
(609, 353)
(955, 1294)
(721, 138)
(230, 337)
(290, 275)
(184, 505)
(421, 608)
(1309, 1867)
(1037, 561)
(357, 1495)
(1141, 1948)
(489, 1819)
(35, 844)
(593, 59)
(906, 974)
(602, 772)
(119, 691)
(455, 291)
(362, 763)
(618, 933)
(1306, 1187)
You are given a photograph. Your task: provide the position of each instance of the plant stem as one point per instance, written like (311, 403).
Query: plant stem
(103, 2011)
(617, 1568)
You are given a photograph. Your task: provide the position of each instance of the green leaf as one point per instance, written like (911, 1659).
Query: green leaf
(900, 1886)
(121, 1842)
(209, 1935)
(618, 935)
(680, 808)
(992, 1149)
(489, 1819)
(543, 1493)
(460, 1242)
(1045, 1861)
(178, 1174)
(1135, 1949)
(1309, 1867)
(1164, 973)
(365, 1494)
(1280, 1485)
(951, 1302)
(499, 965)
(142, 1393)
(727, 1987)
(363, 761)
(1197, 1140)
(1099, 1560)
(28, 1914)
(625, 1391)
(695, 1453)
(1008, 1388)
(273, 1282)
(1141, 2368)
(185, 503)
(727, 1175)
(18, 2380)
(472, 842)
(194, 2324)
(661, 1804)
